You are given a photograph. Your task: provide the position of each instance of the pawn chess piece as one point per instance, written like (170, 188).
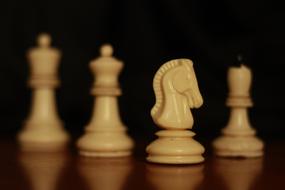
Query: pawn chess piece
(43, 129)
(176, 90)
(105, 135)
(238, 137)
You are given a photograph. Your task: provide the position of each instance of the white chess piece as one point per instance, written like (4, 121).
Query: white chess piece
(176, 91)
(105, 135)
(43, 128)
(238, 137)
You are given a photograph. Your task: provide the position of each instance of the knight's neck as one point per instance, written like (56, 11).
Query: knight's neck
(176, 113)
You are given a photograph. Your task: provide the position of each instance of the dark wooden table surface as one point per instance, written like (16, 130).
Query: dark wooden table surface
(66, 170)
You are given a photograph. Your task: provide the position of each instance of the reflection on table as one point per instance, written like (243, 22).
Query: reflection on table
(105, 173)
(43, 169)
(179, 177)
(238, 174)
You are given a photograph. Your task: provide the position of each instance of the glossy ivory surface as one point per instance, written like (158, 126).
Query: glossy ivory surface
(176, 91)
(43, 127)
(238, 137)
(105, 135)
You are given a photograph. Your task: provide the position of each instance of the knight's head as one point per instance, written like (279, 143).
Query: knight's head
(184, 82)
(176, 76)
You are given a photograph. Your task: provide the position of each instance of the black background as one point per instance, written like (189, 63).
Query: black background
(145, 34)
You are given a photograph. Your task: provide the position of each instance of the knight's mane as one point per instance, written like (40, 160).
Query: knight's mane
(157, 81)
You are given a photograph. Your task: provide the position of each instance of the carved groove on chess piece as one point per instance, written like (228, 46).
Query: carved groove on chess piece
(105, 135)
(176, 90)
(43, 129)
(238, 137)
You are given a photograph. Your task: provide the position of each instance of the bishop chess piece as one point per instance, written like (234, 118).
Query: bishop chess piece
(238, 137)
(105, 135)
(176, 91)
(43, 128)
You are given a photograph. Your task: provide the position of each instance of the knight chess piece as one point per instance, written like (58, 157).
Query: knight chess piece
(176, 91)
(238, 137)
(105, 135)
(43, 129)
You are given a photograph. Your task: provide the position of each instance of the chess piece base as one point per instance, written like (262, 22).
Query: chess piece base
(241, 146)
(105, 144)
(47, 137)
(104, 154)
(175, 147)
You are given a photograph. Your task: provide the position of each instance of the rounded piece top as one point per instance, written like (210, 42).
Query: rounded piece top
(44, 40)
(106, 50)
(240, 58)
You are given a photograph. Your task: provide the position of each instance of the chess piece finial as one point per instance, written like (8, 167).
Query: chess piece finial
(176, 91)
(43, 127)
(240, 58)
(105, 134)
(106, 50)
(44, 40)
(238, 137)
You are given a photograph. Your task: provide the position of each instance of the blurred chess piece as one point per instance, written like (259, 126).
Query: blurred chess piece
(164, 177)
(238, 137)
(105, 173)
(238, 174)
(43, 128)
(43, 169)
(176, 91)
(105, 135)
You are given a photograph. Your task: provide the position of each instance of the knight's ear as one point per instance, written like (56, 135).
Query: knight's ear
(179, 80)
